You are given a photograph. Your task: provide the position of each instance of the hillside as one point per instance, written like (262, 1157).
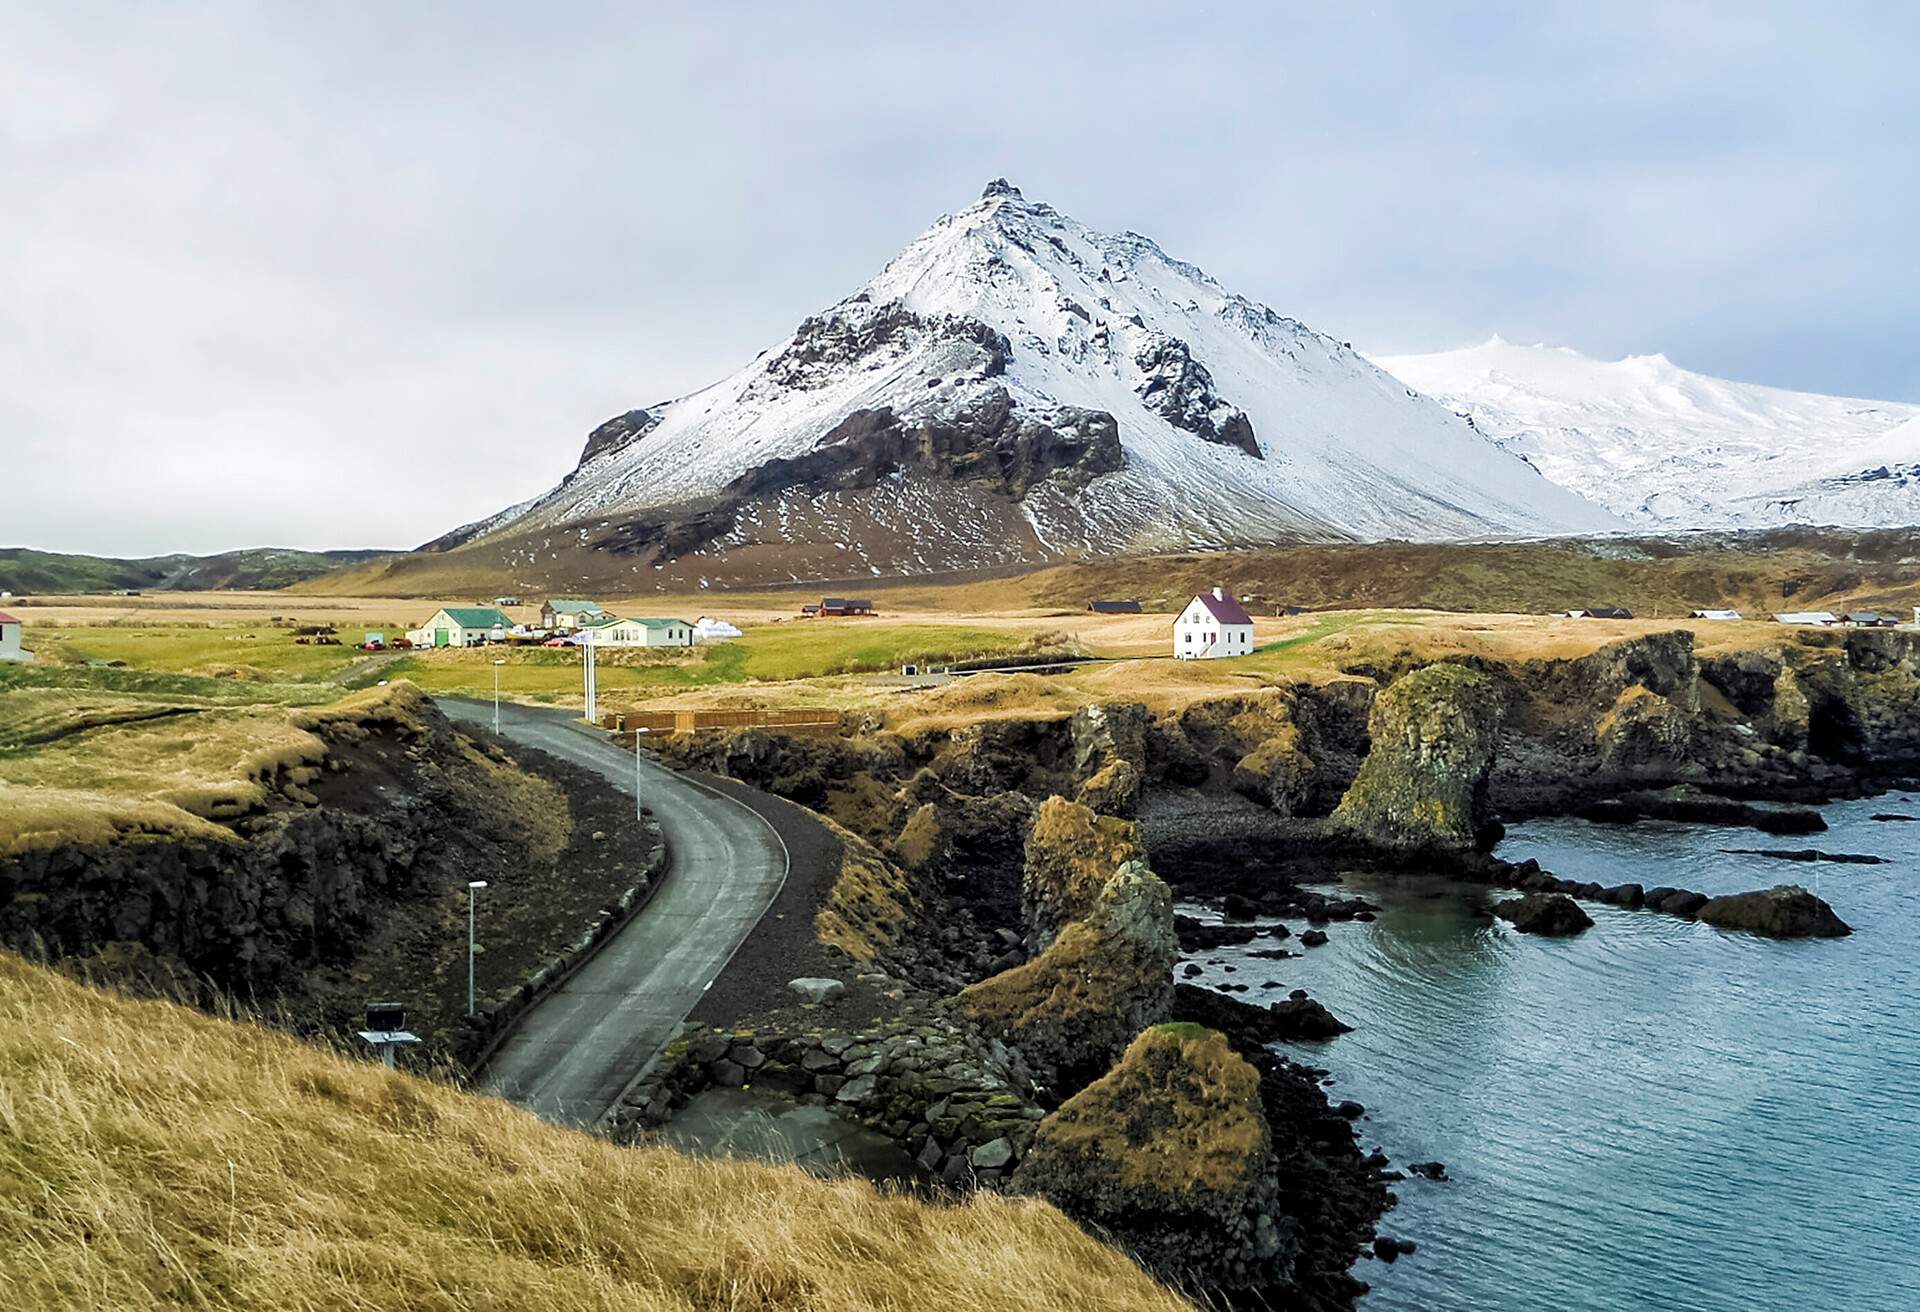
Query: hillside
(1017, 386)
(1662, 445)
(151, 1156)
(24, 571)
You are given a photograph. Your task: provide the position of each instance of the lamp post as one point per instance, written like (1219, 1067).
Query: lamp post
(496, 693)
(592, 716)
(637, 814)
(473, 892)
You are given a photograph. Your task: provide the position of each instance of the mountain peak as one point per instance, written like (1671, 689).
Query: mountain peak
(1001, 187)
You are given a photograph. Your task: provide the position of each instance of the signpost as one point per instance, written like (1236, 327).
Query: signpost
(387, 1030)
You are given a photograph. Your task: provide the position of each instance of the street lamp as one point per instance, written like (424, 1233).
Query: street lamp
(590, 691)
(473, 892)
(496, 693)
(638, 813)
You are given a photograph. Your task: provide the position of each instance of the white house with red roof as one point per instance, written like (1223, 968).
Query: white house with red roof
(1212, 626)
(10, 639)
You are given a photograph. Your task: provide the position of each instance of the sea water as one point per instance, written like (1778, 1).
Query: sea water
(1654, 1114)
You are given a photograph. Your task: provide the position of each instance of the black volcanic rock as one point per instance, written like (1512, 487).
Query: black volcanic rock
(1180, 390)
(1787, 911)
(1544, 913)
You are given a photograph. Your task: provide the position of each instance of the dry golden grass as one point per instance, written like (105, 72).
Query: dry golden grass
(151, 1156)
(871, 903)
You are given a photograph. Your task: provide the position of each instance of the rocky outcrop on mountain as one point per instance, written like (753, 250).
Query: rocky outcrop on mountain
(1424, 783)
(1179, 389)
(1071, 855)
(1077, 1005)
(980, 438)
(1552, 914)
(1169, 1153)
(1785, 911)
(617, 434)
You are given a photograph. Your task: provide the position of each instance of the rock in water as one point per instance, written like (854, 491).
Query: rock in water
(1544, 913)
(1785, 911)
(1424, 783)
(1076, 1006)
(1170, 1154)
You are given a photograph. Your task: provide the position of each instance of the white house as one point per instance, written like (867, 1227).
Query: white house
(10, 639)
(1822, 618)
(1212, 626)
(1714, 615)
(461, 626)
(611, 632)
(709, 628)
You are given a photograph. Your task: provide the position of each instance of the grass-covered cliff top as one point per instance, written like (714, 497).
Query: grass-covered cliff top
(151, 1156)
(91, 755)
(1179, 1112)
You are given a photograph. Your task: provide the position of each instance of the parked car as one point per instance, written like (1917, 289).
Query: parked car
(558, 642)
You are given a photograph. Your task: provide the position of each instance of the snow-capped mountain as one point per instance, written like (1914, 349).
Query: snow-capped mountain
(1662, 445)
(1016, 386)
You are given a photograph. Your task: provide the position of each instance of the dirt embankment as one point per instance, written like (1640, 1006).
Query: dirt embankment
(345, 881)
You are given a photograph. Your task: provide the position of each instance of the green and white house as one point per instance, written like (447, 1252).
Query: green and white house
(564, 614)
(461, 626)
(612, 632)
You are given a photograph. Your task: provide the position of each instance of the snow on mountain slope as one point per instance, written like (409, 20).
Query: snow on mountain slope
(1662, 445)
(1116, 397)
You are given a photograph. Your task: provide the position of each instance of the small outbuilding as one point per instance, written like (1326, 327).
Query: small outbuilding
(1599, 613)
(1867, 619)
(1213, 625)
(1817, 618)
(1714, 615)
(1114, 607)
(461, 626)
(10, 648)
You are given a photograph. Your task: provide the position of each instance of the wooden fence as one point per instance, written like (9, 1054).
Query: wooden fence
(801, 721)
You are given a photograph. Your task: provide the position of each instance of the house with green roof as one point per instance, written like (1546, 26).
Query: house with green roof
(610, 631)
(562, 613)
(461, 626)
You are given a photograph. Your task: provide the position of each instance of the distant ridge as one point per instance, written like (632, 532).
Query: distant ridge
(24, 571)
(1664, 446)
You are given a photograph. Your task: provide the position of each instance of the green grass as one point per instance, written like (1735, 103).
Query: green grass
(251, 651)
(767, 654)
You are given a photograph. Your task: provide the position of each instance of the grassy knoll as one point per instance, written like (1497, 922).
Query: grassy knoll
(151, 1156)
(89, 755)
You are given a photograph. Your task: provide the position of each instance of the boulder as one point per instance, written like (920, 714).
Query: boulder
(817, 989)
(1169, 1153)
(1076, 1006)
(1544, 913)
(1424, 783)
(1785, 911)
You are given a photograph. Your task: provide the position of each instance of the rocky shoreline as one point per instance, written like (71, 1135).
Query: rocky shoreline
(1010, 880)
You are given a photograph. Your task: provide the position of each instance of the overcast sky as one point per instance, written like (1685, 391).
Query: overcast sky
(352, 274)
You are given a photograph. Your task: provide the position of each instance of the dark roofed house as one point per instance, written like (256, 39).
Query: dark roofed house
(1867, 619)
(1114, 607)
(845, 606)
(1600, 613)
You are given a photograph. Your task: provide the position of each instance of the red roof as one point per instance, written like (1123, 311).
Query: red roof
(10, 619)
(1226, 609)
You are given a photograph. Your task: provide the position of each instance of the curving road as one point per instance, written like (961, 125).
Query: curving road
(573, 1054)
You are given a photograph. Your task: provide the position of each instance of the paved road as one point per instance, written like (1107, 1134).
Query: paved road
(570, 1057)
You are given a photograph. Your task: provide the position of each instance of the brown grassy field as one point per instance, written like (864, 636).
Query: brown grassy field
(151, 1156)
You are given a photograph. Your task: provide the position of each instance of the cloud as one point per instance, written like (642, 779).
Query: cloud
(349, 275)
